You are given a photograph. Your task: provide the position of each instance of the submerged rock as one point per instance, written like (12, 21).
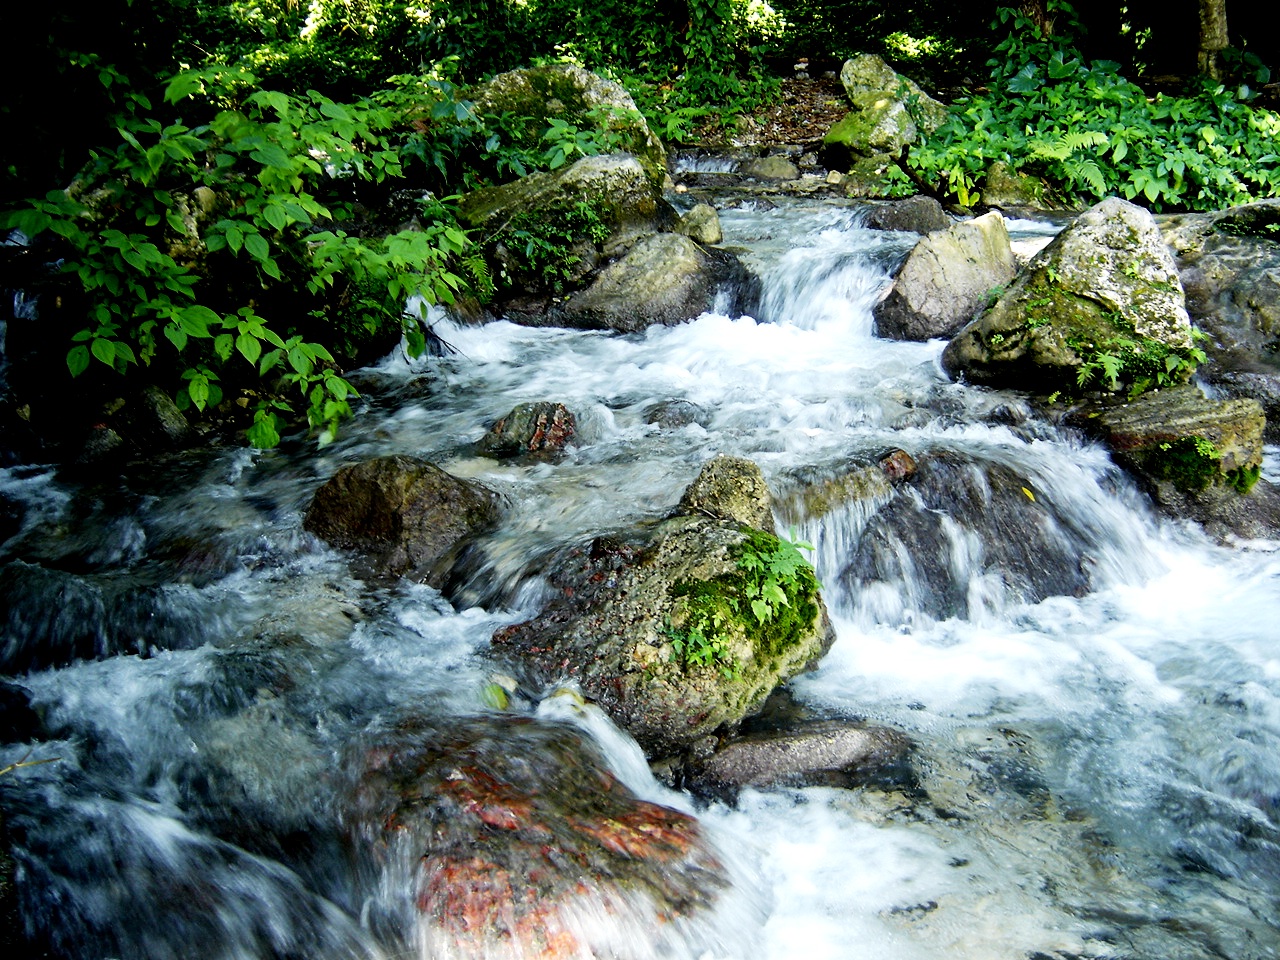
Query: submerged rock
(503, 837)
(1106, 284)
(401, 515)
(833, 753)
(539, 429)
(945, 279)
(662, 632)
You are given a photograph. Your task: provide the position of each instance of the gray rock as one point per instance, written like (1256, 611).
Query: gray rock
(869, 74)
(1107, 277)
(945, 279)
(917, 214)
(401, 515)
(819, 753)
(539, 429)
(663, 279)
(616, 185)
(701, 224)
(769, 168)
(733, 489)
(620, 610)
(673, 414)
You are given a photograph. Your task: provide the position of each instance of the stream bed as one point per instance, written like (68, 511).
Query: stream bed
(1097, 768)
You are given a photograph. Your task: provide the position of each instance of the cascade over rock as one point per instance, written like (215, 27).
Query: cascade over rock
(959, 520)
(619, 608)
(945, 278)
(1107, 277)
(402, 515)
(478, 820)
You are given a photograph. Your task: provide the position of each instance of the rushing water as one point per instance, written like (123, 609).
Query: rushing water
(1098, 772)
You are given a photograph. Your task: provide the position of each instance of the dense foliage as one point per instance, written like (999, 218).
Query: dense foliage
(1089, 132)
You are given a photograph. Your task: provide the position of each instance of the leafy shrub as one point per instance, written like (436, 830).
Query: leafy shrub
(1090, 132)
(198, 240)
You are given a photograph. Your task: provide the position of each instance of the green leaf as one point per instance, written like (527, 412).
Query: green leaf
(104, 350)
(264, 433)
(250, 347)
(78, 360)
(223, 344)
(276, 216)
(257, 246)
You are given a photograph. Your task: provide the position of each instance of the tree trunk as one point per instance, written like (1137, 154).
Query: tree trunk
(1038, 13)
(1213, 37)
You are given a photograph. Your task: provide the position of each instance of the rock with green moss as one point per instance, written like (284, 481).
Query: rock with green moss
(1004, 187)
(701, 224)
(945, 279)
(889, 113)
(683, 632)
(575, 96)
(1181, 436)
(868, 73)
(1103, 297)
(614, 188)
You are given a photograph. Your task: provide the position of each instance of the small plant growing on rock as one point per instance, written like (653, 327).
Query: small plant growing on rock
(770, 598)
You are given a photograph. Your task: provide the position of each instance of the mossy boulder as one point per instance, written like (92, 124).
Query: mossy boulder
(1106, 286)
(1005, 187)
(623, 619)
(945, 279)
(613, 187)
(701, 224)
(565, 92)
(889, 113)
(402, 516)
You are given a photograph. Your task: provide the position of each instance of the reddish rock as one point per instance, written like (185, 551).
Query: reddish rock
(530, 428)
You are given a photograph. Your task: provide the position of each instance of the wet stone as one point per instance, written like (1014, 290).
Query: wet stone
(537, 429)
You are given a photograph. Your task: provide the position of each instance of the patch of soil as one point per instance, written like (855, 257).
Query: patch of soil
(806, 109)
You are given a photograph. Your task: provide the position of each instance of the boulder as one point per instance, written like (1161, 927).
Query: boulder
(663, 279)
(676, 413)
(889, 111)
(614, 187)
(539, 429)
(769, 168)
(947, 276)
(575, 96)
(833, 753)
(401, 515)
(918, 214)
(869, 74)
(496, 836)
(1180, 436)
(817, 496)
(1004, 187)
(1229, 262)
(701, 224)
(667, 633)
(1106, 285)
(732, 489)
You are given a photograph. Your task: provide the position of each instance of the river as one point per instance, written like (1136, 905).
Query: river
(1098, 772)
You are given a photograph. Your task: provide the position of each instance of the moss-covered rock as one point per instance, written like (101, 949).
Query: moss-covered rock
(565, 92)
(661, 631)
(1005, 187)
(868, 73)
(1106, 287)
